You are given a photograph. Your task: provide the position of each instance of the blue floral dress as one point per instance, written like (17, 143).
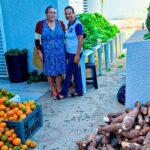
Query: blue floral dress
(53, 49)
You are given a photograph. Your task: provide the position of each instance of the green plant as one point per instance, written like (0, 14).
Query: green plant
(148, 19)
(121, 56)
(120, 66)
(108, 69)
(147, 35)
(16, 51)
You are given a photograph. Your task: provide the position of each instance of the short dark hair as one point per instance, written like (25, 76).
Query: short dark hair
(70, 7)
(49, 7)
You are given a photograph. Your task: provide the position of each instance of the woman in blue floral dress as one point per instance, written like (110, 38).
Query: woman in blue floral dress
(52, 48)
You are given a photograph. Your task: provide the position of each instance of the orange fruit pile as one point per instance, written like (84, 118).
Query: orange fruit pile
(5, 93)
(10, 141)
(14, 111)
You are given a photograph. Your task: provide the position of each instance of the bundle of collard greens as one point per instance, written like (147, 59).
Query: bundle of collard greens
(96, 27)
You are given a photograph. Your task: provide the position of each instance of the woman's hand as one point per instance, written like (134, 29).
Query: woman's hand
(77, 58)
(40, 55)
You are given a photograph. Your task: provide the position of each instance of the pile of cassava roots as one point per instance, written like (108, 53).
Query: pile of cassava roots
(129, 130)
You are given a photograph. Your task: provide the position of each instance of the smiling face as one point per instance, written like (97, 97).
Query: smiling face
(70, 15)
(51, 14)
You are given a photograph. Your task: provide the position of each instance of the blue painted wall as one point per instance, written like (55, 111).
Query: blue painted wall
(20, 18)
(61, 4)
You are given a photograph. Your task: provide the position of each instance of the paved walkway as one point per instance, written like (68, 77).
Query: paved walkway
(70, 120)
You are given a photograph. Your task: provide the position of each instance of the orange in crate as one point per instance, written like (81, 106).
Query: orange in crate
(16, 141)
(4, 147)
(2, 124)
(8, 133)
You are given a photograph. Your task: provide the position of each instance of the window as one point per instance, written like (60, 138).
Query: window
(85, 5)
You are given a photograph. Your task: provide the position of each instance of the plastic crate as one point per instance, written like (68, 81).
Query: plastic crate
(26, 128)
(16, 98)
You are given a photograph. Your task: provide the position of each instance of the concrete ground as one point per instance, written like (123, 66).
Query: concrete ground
(70, 120)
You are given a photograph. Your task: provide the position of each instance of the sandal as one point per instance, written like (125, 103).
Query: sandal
(60, 97)
(76, 94)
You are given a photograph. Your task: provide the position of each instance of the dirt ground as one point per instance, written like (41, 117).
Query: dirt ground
(70, 120)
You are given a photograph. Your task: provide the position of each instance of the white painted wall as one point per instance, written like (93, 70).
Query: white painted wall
(94, 6)
(77, 5)
(125, 8)
(120, 8)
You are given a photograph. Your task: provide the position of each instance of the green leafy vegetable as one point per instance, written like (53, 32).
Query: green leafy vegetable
(96, 27)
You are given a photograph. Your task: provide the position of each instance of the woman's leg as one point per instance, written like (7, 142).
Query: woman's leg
(58, 79)
(78, 81)
(51, 81)
(71, 66)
